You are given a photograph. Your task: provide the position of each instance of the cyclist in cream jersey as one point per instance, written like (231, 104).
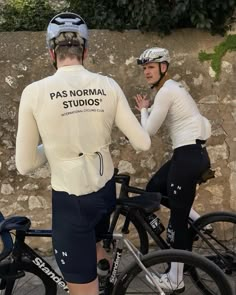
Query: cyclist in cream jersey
(76, 130)
(188, 130)
(175, 105)
(72, 112)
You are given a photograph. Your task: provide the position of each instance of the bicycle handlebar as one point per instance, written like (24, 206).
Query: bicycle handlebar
(124, 180)
(6, 240)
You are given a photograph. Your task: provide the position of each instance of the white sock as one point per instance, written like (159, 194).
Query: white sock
(193, 214)
(176, 272)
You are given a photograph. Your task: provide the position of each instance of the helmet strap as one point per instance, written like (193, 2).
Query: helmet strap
(162, 75)
(82, 59)
(83, 53)
(55, 62)
(53, 57)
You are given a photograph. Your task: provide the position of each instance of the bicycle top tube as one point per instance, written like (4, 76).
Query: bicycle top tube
(124, 180)
(38, 233)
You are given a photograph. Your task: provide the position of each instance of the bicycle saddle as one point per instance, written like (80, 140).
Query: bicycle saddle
(206, 175)
(15, 223)
(147, 201)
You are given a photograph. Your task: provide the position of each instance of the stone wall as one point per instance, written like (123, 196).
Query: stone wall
(24, 59)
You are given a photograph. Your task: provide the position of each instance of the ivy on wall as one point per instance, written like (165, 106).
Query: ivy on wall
(25, 15)
(219, 51)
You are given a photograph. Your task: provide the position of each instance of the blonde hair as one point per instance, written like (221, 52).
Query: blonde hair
(69, 44)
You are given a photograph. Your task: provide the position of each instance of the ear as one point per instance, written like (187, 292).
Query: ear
(164, 67)
(52, 54)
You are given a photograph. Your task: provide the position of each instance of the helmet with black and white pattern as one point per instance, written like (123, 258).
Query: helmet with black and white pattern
(155, 54)
(66, 22)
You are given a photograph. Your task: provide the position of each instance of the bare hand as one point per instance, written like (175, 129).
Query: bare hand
(141, 102)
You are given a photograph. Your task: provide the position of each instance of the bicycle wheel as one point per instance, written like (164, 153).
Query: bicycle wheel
(217, 242)
(135, 232)
(134, 280)
(26, 280)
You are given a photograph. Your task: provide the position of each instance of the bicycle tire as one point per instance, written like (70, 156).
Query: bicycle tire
(142, 236)
(130, 281)
(222, 240)
(33, 282)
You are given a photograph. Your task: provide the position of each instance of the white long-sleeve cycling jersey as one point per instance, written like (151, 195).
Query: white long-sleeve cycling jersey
(174, 105)
(72, 112)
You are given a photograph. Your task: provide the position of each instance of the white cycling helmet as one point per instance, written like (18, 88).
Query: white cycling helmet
(154, 54)
(66, 22)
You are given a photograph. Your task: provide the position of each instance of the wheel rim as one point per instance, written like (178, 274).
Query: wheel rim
(137, 283)
(28, 284)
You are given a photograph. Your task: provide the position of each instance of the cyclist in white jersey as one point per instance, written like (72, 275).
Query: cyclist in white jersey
(66, 119)
(189, 131)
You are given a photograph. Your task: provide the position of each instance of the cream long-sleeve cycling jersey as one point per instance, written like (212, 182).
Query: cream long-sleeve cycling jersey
(72, 112)
(174, 105)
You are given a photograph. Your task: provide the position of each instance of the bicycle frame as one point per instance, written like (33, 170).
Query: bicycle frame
(136, 212)
(111, 281)
(22, 253)
(125, 189)
(157, 237)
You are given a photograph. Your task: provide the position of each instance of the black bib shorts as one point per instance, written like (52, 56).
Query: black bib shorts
(77, 224)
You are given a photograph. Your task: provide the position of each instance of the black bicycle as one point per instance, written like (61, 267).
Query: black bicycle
(212, 235)
(23, 271)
